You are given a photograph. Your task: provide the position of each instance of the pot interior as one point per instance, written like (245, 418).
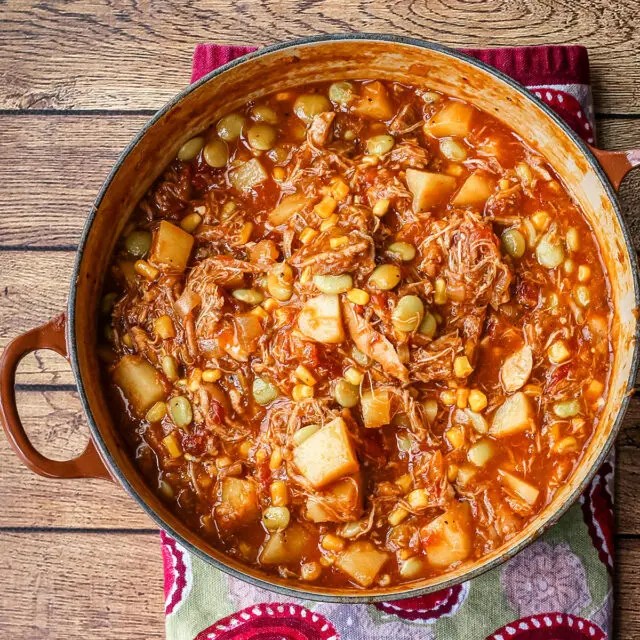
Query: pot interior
(324, 60)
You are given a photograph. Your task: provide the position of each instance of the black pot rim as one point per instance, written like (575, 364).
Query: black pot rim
(309, 593)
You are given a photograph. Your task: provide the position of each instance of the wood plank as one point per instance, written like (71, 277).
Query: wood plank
(74, 586)
(34, 289)
(55, 422)
(65, 157)
(627, 590)
(68, 157)
(70, 586)
(100, 56)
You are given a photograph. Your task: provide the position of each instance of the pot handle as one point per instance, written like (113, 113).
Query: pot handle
(617, 164)
(49, 336)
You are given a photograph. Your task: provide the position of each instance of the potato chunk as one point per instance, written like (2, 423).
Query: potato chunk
(288, 546)
(326, 455)
(374, 102)
(376, 408)
(513, 416)
(140, 383)
(521, 488)
(476, 189)
(362, 562)
(321, 319)
(248, 175)
(454, 119)
(171, 247)
(429, 189)
(516, 369)
(287, 207)
(342, 498)
(447, 539)
(239, 503)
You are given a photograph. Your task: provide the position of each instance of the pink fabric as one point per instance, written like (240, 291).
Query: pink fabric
(558, 588)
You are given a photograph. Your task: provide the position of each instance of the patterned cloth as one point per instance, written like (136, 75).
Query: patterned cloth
(558, 588)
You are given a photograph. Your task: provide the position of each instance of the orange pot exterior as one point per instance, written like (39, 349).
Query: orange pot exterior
(278, 68)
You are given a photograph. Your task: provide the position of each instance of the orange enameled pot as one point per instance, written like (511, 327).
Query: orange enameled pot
(590, 175)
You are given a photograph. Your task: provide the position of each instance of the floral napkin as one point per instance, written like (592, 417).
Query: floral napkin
(558, 588)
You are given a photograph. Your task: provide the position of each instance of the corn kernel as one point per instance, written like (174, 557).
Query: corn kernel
(454, 170)
(172, 443)
(245, 233)
(569, 265)
(143, 268)
(279, 494)
(462, 398)
(452, 472)
(331, 221)
(163, 327)
(381, 207)
(566, 445)
(477, 400)
(372, 161)
(448, 397)
(276, 459)
(353, 376)
(404, 482)
(191, 222)
(304, 375)
(259, 313)
(584, 273)
(338, 242)
(325, 207)
(195, 377)
(270, 304)
(339, 189)
(127, 340)
(440, 294)
(223, 461)
(418, 499)
(331, 542)
(211, 375)
(595, 389)
(262, 455)
(228, 208)
(301, 392)
(244, 448)
(305, 276)
(504, 184)
(397, 516)
(278, 174)
(462, 367)
(307, 235)
(326, 561)
(540, 220)
(573, 239)
(358, 296)
(558, 352)
(157, 412)
(455, 436)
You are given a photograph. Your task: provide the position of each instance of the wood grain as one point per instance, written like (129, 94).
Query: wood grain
(57, 594)
(48, 187)
(56, 424)
(134, 55)
(81, 585)
(77, 559)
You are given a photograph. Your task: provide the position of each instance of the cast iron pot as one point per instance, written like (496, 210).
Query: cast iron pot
(592, 176)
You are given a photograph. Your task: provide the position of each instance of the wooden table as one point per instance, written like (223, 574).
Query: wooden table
(80, 559)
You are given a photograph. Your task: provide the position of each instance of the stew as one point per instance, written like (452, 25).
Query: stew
(358, 333)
